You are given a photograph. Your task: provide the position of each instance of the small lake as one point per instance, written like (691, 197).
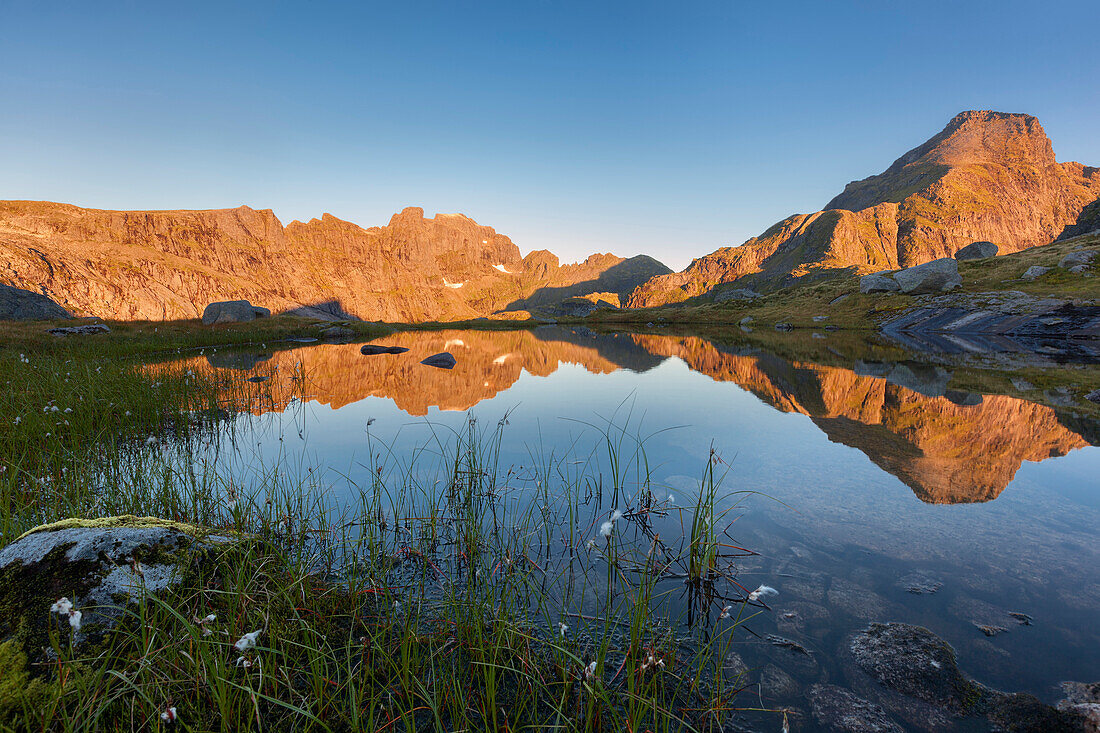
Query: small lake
(869, 492)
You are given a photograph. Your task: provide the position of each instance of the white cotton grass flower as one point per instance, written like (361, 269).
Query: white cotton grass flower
(616, 515)
(243, 662)
(63, 606)
(725, 612)
(606, 529)
(169, 715)
(762, 592)
(590, 672)
(74, 620)
(248, 640)
(563, 630)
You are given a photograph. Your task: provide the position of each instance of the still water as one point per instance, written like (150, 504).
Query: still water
(856, 486)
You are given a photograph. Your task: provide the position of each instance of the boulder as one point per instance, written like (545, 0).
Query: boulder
(1034, 271)
(930, 277)
(746, 320)
(84, 330)
(232, 311)
(99, 565)
(878, 283)
(17, 304)
(1082, 698)
(442, 360)
(783, 326)
(1080, 258)
(977, 251)
(375, 349)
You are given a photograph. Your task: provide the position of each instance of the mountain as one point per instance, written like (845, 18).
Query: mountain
(987, 176)
(171, 264)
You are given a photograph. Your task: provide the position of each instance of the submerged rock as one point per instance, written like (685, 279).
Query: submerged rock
(837, 709)
(442, 360)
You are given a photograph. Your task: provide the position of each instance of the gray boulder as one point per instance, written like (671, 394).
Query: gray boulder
(977, 251)
(232, 311)
(745, 321)
(442, 360)
(17, 304)
(783, 326)
(878, 283)
(84, 330)
(930, 277)
(1034, 271)
(1080, 259)
(99, 565)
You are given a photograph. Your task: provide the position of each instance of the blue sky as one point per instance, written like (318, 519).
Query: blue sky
(662, 128)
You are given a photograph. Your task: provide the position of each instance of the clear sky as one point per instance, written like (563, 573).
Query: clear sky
(666, 128)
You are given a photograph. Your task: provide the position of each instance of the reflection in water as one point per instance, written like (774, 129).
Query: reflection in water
(948, 447)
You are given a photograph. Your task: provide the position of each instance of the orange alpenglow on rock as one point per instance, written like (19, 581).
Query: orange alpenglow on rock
(988, 176)
(172, 264)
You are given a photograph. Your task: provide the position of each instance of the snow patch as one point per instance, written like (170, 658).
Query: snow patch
(454, 286)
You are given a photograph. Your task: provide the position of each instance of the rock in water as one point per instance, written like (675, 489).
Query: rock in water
(17, 304)
(98, 564)
(878, 283)
(977, 251)
(443, 360)
(837, 709)
(232, 311)
(931, 277)
(375, 349)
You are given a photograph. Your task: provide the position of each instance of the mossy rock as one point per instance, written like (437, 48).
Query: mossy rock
(101, 565)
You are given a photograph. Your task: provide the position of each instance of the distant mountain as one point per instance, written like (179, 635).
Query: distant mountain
(987, 176)
(171, 264)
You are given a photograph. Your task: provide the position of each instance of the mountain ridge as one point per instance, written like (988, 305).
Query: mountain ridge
(170, 263)
(986, 176)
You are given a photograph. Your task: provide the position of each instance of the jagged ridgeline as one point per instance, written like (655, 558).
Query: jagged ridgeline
(988, 176)
(171, 264)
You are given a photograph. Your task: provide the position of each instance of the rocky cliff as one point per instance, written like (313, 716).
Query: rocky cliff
(170, 264)
(987, 176)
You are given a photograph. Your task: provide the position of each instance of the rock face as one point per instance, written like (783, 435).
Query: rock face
(988, 176)
(931, 277)
(170, 264)
(977, 251)
(232, 311)
(17, 304)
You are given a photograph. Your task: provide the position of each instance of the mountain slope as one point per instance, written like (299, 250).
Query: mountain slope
(170, 264)
(987, 176)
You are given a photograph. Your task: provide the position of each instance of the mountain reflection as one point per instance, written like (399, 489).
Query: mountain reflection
(948, 447)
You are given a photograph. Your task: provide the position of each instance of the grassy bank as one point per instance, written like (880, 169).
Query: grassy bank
(452, 593)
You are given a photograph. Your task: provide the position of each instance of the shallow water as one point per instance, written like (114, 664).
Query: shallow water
(866, 480)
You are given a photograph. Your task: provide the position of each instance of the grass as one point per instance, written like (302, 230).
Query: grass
(431, 602)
